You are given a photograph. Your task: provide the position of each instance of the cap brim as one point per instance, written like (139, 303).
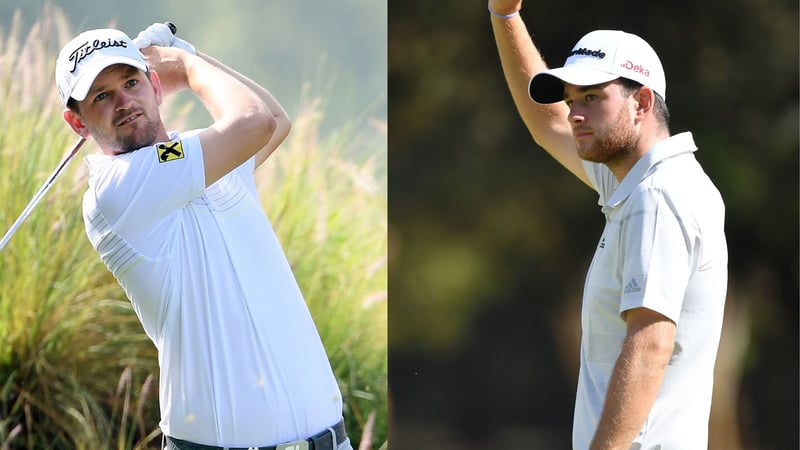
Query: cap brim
(89, 74)
(548, 86)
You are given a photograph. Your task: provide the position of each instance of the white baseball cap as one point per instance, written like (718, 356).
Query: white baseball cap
(84, 57)
(599, 57)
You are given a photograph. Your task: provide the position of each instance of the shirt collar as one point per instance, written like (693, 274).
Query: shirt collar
(672, 146)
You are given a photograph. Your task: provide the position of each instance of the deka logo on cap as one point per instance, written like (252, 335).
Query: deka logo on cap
(628, 65)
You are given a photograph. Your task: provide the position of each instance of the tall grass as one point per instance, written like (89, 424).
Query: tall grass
(330, 214)
(76, 370)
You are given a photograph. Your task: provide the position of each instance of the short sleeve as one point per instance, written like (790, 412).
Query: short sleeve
(657, 260)
(139, 191)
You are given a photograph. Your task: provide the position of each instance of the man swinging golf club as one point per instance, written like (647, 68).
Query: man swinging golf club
(176, 219)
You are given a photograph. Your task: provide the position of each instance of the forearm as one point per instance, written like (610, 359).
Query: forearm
(282, 121)
(521, 60)
(632, 391)
(242, 122)
(246, 117)
(222, 94)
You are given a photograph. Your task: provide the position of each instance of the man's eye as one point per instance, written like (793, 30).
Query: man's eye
(590, 97)
(100, 96)
(132, 83)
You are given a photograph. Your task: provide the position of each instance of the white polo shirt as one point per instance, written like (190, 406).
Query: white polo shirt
(241, 361)
(663, 248)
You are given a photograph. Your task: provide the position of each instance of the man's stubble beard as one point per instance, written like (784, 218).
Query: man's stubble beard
(143, 137)
(613, 142)
(130, 143)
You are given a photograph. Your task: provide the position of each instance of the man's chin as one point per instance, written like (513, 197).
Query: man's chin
(587, 155)
(130, 145)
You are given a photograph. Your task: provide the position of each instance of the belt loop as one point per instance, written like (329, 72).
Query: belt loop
(334, 445)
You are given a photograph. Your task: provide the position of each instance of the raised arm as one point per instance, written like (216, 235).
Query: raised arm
(282, 121)
(243, 124)
(521, 60)
(160, 34)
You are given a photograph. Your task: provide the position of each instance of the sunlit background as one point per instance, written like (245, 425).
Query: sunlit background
(336, 48)
(76, 370)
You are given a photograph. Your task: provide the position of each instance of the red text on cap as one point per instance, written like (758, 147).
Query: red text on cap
(628, 65)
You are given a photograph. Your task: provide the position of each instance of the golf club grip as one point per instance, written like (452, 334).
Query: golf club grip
(172, 27)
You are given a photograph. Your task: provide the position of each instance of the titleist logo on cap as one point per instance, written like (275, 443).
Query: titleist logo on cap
(586, 52)
(87, 48)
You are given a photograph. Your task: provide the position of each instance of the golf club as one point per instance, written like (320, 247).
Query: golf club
(40, 194)
(46, 187)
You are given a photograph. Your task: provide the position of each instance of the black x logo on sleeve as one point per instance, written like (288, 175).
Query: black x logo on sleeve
(169, 151)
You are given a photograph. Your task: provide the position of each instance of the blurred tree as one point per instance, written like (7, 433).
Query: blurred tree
(490, 238)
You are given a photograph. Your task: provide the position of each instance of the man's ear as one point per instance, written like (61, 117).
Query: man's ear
(156, 82)
(645, 100)
(76, 123)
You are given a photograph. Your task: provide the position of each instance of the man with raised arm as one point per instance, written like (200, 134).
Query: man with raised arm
(176, 219)
(655, 290)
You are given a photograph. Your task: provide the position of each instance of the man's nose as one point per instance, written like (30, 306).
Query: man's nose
(575, 115)
(123, 100)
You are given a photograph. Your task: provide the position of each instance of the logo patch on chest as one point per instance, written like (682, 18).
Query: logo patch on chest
(169, 151)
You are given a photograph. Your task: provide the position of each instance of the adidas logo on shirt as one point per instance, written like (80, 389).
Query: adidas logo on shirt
(632, 287)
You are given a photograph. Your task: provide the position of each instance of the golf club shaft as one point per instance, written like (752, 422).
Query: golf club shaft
(43, 190)
(40, 194)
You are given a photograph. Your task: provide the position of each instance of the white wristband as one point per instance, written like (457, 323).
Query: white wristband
(502, 16)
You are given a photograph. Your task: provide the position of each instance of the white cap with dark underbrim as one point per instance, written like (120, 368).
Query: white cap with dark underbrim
(599, 57)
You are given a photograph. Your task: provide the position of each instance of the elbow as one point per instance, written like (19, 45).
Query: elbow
(254, 129)
(664, 351)
(283, 123)
(537, 139)
(266, 124)
(659, 352)
(282, 127)
(270, 125)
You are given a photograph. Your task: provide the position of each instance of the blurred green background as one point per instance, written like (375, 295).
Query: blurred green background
(339, 48)
(490, 239)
